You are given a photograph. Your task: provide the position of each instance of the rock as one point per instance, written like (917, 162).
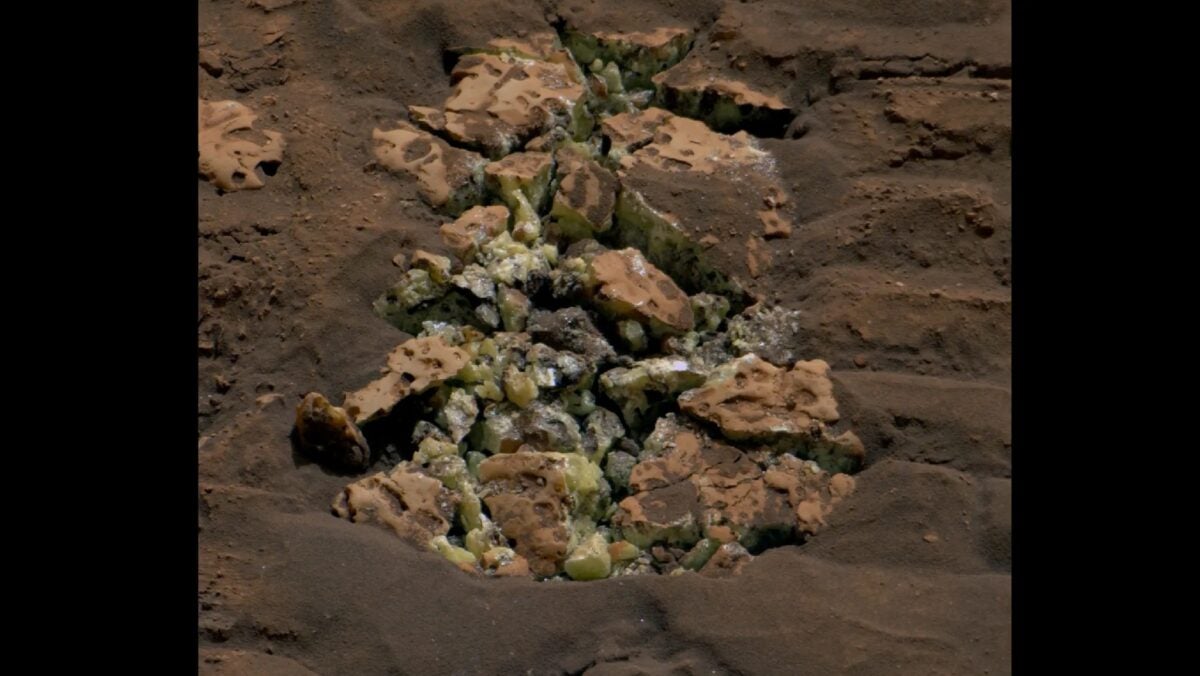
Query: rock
(639, 54)
(586, 196)
(725, 104)
(515, 308)
(749, 399)
(457, 415)
(641, 388)
(710, 310)
(697, 487)
(526, 495)
(624, 285)
(414, 506)
(590, 560)
(727, 561)
(230, 160)
(571, 329)
(413, 367)
(448, 178)
(522, 181)
(628, 132)
(769, 333)
(617, 468)
(501, 101)
(474, 227)
(327, 434)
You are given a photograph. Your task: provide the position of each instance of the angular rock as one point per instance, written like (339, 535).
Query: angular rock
(624, 285)
(590, 560)
(522, 181)
(571, 329)
(526, 495)
(586, 196)
(327, 434)
(638, 388)
(413, 367)
(501, 101)
(749, 399)
(476, 225)
(771, 334)
(413, 506)
(448, 178)
(724, 103)
(639, 54)
(729, 560)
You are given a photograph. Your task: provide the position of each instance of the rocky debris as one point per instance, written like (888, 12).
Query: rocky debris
(749, 399)
(522, 181)
(448, 178)
(556, 354)
(657, 379)
(770, 333)
(624, 285)
(473, 228)
(571, 329)
(587, 193)
(529, 496)
(700, 489)
(233, 154)
(327, 434)
(727, 561)
(414, 506)
(501, 101)
(413, 367)
(725, 104)
(639, 55)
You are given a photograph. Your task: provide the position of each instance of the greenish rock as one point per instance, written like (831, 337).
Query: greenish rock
(590, 560)
(647, 383)
(514, 308)
(632, 334)
(618, 465)
(474, 279)
(602, 428)
(457, 555)
(709, 310)
(700, 554)
(458, 414)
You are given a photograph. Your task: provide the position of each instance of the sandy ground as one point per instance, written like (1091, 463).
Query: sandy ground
(898, 169)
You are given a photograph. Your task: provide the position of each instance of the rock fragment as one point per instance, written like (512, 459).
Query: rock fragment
(448, 178)
(327, 434)
(624, 285)
(413, 367)
(413, 506)
(230, 160)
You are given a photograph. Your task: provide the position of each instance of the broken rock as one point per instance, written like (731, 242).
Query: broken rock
(327, 434)
(413, 367)
(448, 178)
(413, 506)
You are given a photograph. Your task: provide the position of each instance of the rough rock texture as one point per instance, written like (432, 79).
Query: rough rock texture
(414, 506)
(448, 178)
(571, 329)
(501, 101)
(526, 496)
(922, 371)
(230, 157)
(327, 434)
(702, 488)
(474, 227)
(586, 196)
(413, 367)
(627, 286)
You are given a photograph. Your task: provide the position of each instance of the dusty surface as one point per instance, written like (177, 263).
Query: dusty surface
(896, 170)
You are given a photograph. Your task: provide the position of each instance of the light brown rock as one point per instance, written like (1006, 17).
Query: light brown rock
(627, 286)
(525, 493)
(447, 177)
(477, 225)
(227, 158)
(413, 367)
(412, 505)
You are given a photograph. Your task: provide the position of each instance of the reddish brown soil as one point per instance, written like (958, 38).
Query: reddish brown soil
(899, 172)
